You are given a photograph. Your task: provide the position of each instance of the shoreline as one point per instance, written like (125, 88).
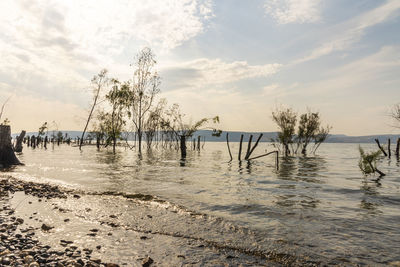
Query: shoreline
(19, 247)
(33, 204)
(23, 230)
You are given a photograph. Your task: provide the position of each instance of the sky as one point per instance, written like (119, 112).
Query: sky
(237, 59)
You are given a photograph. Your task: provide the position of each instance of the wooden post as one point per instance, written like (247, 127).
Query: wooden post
(389, 152)
(183, 146)
(46, 139)
(240, 147)
(98, 142)
(18, 146)
(198, 142)
(397, 147)
(381, 148)
(33, 141)
(7, 155)
(28, 141)
(229, 149)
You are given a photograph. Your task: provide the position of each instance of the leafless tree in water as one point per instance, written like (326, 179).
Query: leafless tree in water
(99, 82)
(145, 87)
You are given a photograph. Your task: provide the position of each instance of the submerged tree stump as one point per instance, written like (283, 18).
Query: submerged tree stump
(7, 155)
(20, 139)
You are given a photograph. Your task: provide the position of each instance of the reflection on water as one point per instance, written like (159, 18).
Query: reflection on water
(320, 201)
(371, 191)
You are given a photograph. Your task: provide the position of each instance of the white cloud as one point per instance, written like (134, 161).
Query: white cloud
(351, 31)
(51, 48)
(293, 11)
(380, 68)
(205, 71)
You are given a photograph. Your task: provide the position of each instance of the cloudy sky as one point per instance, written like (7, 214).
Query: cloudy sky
(233, 58)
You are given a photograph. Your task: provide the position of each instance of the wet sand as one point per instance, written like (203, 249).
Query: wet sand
(46, 225)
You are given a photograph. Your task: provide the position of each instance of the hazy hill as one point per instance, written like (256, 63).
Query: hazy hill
(267, 136)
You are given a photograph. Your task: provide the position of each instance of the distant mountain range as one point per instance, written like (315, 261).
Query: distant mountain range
(267, 136)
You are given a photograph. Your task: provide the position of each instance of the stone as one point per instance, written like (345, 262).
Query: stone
(6, 261)
(29, 259)
(147, 262)
(46, 227)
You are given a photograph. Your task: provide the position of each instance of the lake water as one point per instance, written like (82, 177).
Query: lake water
(318, 207)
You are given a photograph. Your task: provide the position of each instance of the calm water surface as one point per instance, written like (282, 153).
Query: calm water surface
(319, 206)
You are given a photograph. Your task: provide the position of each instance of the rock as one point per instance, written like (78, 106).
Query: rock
(77, 196)
(5, 252)
(66, 241)
(46, 227)
(147, 262)
(96, 260)
(29, 259)
(66, 220)
(6, 261)
(98, 247)
(112, 265)
(34, 264)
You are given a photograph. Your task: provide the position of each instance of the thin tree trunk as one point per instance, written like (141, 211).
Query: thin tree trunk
(255, 145)
(381, 148)
(248, 147)
(240, 147)
(198, 142)
(90, 116)
(227, 143)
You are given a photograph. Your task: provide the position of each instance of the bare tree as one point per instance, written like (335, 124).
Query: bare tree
(112, 122)
(286, 121)
(174, 123)
(145, 87)
(99, 82)
(396, 113)
(310, 129)
(153, 122)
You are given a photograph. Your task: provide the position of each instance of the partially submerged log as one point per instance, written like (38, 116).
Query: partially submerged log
(254, 147)
(20, 139)
(380, 147)
(240, 147)
(229, 149)
(7, 155)
(248, 147)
